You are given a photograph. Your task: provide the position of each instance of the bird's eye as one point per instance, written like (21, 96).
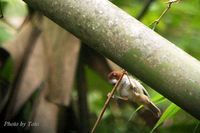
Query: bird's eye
(114, 74)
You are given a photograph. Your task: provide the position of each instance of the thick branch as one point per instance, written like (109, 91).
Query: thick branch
(129, 43)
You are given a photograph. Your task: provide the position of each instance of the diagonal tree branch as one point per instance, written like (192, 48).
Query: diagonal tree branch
(130, 44)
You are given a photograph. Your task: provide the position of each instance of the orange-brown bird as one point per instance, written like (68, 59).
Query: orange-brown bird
(132, 90)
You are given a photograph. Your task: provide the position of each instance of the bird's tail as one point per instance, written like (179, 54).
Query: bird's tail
(154, 109)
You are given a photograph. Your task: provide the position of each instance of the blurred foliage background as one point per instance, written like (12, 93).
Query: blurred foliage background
(181, 25)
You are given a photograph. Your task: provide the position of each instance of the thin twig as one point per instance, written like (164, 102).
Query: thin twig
(107, 102)
(157, 21)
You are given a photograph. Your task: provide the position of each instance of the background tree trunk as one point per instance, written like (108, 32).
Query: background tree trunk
(46, 65)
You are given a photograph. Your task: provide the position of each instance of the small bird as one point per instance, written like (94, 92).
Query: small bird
(132, 90)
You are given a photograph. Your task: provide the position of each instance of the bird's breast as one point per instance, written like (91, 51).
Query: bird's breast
(124, 87)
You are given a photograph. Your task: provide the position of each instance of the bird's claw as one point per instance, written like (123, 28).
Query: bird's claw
(118, 97)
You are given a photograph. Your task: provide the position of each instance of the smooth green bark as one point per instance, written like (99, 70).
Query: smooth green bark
(130, 44)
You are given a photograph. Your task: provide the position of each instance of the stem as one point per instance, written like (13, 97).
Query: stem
(106, 103)
(156, 22)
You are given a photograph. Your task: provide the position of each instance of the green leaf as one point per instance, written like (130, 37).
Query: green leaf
(196, 127)
(169, 112)
(4, 33)
(134, 112)
(158, 98)
(14, 8)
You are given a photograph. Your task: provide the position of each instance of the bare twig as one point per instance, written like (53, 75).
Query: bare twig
(107, 102)
(156, 22)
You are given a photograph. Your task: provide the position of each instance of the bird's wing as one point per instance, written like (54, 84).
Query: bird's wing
(132, 83)
(143, 89)
(145, 92)
(138, 86)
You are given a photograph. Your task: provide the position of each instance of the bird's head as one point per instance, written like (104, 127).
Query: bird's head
(114, 76)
